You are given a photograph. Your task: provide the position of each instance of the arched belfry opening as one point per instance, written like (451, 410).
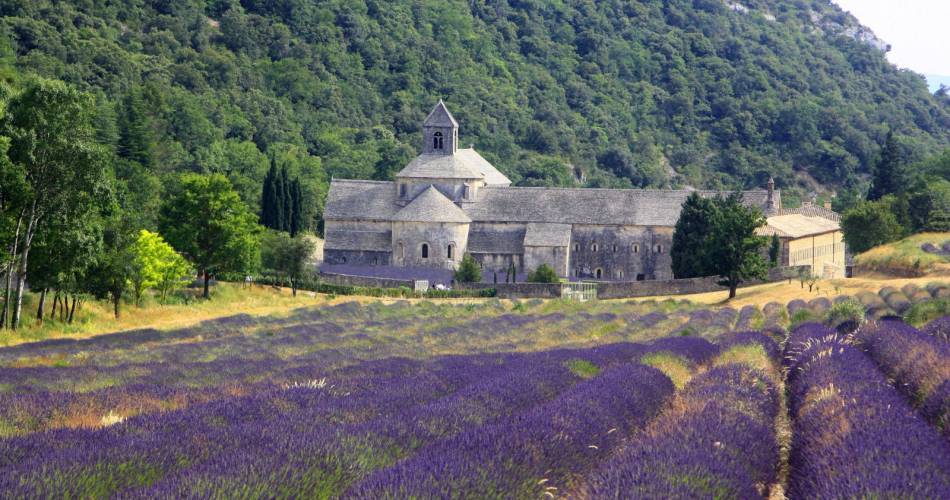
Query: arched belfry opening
(437, 142)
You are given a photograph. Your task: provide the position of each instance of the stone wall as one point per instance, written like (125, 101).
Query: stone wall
(622, 290)
(621, 253)
(556, 257)
(365, 281)
(409, 237)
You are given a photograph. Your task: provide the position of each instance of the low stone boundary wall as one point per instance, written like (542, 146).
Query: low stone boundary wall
(632, 289)
(365, 281)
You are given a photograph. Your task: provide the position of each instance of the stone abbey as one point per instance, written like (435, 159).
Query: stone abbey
(449, 202)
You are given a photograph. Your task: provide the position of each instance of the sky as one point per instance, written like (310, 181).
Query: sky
(916, 30)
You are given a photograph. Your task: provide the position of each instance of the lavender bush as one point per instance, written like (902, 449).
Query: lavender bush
(717, 442)
(854, 435)
(919, 364)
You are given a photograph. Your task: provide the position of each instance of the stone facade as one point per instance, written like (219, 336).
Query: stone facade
(449, 202)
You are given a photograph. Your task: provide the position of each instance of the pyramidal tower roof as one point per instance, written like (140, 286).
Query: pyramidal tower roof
(440, 117)
(432, 206)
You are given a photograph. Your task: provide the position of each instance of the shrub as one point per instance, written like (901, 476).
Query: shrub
(468, 271)
(925, 312)
(844, 312)
(543, 274)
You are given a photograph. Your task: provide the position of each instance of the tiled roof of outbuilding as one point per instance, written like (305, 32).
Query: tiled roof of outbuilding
(350, 239)
(360, 200)
(798, 226)
(547, 235)
(431, 206)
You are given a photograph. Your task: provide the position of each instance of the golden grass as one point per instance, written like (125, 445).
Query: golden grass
(677, 368)
(904, 257)
(751, 355)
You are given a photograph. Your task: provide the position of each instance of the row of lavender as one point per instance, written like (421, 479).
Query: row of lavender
(323, 437)
(854, 434)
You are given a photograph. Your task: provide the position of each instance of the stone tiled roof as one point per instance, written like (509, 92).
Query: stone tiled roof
(495, 242)
(359, 240)
(431, 206)
(464, 164)
(440, 117)
(798, 226)
(638, 207)
(374, 200)
(361, 200)
(547, 235)
(812, 211)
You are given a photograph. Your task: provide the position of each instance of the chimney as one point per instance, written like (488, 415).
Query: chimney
(770, 201)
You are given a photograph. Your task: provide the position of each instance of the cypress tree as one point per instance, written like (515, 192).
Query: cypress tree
(267, 196)
(287, 212)
(689, 237)
(297, 197)
(889, 172)
(278, 222)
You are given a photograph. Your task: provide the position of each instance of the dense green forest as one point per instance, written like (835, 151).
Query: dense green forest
(606, 93)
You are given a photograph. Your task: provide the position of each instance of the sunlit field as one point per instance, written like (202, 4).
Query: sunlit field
(493, 399)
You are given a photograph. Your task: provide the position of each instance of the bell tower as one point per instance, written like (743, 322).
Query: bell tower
(440, 132)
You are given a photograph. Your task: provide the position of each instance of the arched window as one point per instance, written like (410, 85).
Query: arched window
(598, 273)
(450, 251)
(636, 248)
(577, 247)
(401, 250)
(619, 275)
(594, 247)
(425, 250)
(615, 248)
(402, 190)
(437, 140)
(659, 249)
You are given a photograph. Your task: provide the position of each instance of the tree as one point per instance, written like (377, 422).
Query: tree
(287, 256)
(888, 176)
(52, 139)
(774, 249)
(206, 221)
(468, 271)
(543, 274)
(870, 224)
(733, 250)
(929, 206)
(690, 235)
(154, 264)
(13, 191)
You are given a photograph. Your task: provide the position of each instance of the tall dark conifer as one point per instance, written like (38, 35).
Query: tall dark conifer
(287, 207)
(889, 175)
(268, 194)
(279, 192)
(689, 237)
(297, 222)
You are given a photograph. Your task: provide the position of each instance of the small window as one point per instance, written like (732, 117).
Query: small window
(577, 247)
(641, 277)
(450, 251)
(401, 250)
(599, 273)
(615, 248)
(636, 248)
(402, 190)
(467, 192)
(375, 261)
(437, 140)
(425, 251)
(619, 275)
(659, 249)
(344, 260)
(594, 247)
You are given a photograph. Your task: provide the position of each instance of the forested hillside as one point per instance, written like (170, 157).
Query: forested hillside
(615, 92)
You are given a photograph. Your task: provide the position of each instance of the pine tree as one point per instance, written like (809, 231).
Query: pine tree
(135, 137)
(888, 175)
(689, 237)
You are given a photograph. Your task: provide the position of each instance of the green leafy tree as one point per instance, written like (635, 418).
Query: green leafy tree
(929, 206)
(775, 248)
(468, 271)
(287, 256)
(543, 274)
(690, 236)
(870, 224)
(155, 264)
(206, 221)
(733, 249)
(53, 141)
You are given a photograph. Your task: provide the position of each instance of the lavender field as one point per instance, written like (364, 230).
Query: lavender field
(491, 400)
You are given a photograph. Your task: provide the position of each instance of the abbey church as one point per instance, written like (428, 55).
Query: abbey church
(449, 202)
